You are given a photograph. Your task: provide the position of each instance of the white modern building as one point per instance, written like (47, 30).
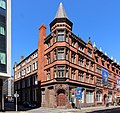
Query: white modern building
(5, 45)
(8, 88)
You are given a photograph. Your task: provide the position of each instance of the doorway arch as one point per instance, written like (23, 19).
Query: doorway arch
(61, 97)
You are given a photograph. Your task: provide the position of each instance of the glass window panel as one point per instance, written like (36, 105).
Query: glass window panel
(2, 4)
(61, 36)
(61, 54)
(2, 30)
(2, 58)
(61, 71)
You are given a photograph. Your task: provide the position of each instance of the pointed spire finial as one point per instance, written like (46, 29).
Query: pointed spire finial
(118, 63)
(94, 45)
(106, 53)
(61, 12)
(89, 41)
(100, 49)
(60, 3)
(111, 57)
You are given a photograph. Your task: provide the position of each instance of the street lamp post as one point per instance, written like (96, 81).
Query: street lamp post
(16, 96)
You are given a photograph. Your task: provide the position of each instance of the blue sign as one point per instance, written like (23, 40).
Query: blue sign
(118, 81)
(104, 76)
(78, 92)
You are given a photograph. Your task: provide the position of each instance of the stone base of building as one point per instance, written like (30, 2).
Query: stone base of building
(62, 96)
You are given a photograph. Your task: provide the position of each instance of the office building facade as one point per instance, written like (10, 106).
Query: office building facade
(5, 44)
(66, 62)
(26, 79)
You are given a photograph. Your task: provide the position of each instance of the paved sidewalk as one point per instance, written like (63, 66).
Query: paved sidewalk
(64, 110)
(90, 109)
(83, 110)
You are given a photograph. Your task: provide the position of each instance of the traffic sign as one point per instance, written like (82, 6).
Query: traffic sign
(16, 95)
(78, 92)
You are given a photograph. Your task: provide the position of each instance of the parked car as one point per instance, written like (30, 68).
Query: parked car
(29, 104)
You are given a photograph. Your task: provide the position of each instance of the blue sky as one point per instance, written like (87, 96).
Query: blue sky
(98, 19)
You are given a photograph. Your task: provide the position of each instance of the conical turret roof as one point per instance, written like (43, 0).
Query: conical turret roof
(61, 12)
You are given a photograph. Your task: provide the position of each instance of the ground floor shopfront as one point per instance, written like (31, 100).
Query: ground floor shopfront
(62, 95)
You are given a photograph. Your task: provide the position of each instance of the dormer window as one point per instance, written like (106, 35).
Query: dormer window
(81, 48)
(89, 52)
(61, 36)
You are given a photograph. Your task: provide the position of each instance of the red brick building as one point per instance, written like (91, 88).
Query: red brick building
(26, 78)
(65, 62)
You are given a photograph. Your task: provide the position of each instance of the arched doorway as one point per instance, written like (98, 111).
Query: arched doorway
(61, 98)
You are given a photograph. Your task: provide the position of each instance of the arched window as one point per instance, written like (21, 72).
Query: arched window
(110, 96)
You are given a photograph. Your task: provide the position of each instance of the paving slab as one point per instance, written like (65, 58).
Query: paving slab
(64, 110)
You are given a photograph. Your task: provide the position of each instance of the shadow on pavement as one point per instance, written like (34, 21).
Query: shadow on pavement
(9, 106)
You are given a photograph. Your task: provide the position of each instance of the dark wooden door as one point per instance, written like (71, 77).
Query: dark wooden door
(61, 99)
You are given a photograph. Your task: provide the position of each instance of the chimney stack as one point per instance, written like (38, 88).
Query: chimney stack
(41, 49)
(42, 31)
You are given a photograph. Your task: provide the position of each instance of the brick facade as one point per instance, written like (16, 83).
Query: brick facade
(65, 62)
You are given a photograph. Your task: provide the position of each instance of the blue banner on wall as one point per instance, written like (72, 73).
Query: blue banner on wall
(78, 92)
(104, 76)
(118, 81)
